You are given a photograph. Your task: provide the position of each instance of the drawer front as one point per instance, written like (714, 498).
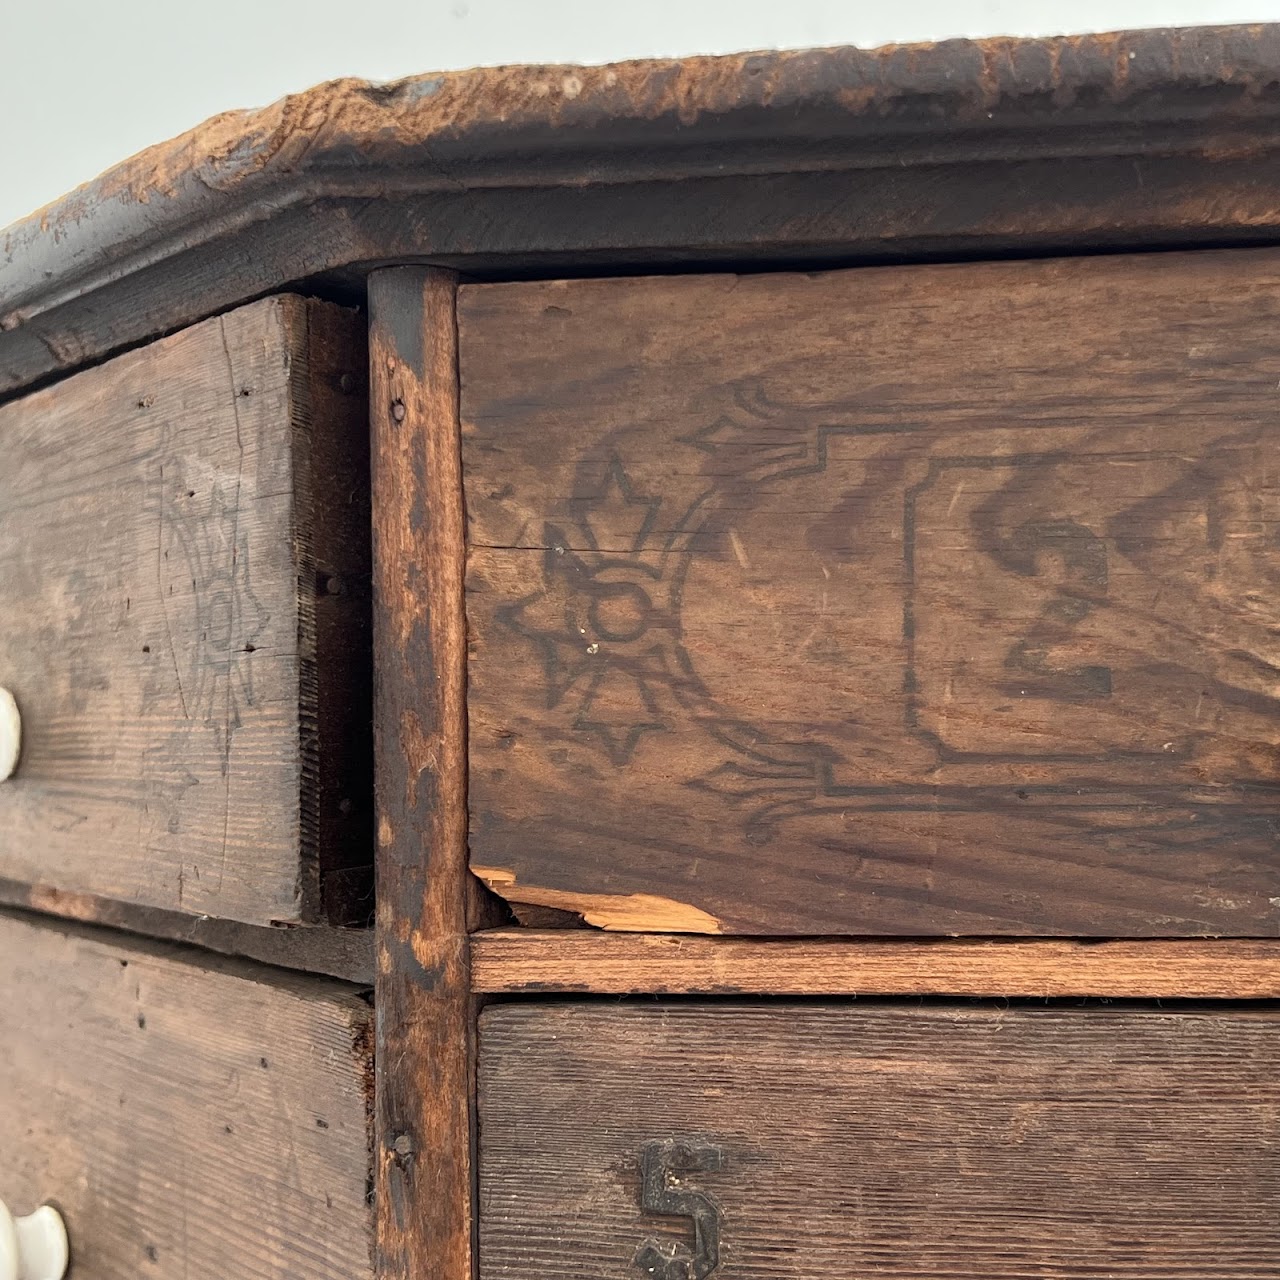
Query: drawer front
(184, 556)
(186, 1121)
(810, 1141)
(937, 599)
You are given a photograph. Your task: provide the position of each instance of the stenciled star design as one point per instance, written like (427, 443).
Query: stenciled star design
(212, 551)
(606, 619)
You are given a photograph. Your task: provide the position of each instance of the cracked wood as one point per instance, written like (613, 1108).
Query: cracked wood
(183, 540)
(916, 600)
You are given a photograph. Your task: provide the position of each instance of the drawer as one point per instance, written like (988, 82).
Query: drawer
(814, 1140)
(185, 1120)
(184, 553)
(919, 600)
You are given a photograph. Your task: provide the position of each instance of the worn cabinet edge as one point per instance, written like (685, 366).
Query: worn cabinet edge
(1129, 138)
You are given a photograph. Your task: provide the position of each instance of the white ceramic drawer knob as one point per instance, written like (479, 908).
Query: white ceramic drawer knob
(34, 1247)
(10, 742)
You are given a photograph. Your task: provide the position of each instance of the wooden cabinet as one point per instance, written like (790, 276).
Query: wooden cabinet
(772, 562)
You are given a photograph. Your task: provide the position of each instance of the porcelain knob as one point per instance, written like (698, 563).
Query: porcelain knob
(10, 738)
(34, 1247)
(10, 735)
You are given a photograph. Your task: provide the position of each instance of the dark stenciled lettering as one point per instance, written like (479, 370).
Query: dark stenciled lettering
(1081, 560)
(662, 1165)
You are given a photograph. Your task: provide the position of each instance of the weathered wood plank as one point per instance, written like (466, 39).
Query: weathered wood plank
(839, 1140)
(530, 961)
(426, 1018)
(184, 553)
(894, 601)
(186, 1120)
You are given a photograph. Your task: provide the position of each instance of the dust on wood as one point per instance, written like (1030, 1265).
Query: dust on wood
(978, 147)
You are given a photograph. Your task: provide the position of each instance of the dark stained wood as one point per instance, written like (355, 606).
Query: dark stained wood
(813, 1141)
(993, 146)
(423, 996)
(894, 601)
(337, 952)
(533, 962)
(195, 718)
(187, 1120)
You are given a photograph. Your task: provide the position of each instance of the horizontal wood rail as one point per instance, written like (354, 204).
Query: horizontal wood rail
(569, 961)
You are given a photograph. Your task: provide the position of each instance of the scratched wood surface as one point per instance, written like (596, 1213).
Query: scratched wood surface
(935, 599)
(821, 1140)
(184, 560)
(187, 1120)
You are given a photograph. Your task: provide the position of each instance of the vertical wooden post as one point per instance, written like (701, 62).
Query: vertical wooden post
(425, 1026)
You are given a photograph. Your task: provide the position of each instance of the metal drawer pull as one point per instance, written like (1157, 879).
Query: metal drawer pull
(10, 743)
(34, 1247)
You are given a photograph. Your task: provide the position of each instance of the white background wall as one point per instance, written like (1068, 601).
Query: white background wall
(87, 82)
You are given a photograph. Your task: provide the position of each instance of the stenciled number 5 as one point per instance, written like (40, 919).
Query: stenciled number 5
(662, 1165)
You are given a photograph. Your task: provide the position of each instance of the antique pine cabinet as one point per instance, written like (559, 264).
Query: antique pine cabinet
(662, 670)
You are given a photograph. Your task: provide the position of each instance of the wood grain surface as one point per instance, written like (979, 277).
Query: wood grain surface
(184, 560)
(187, 1120)
(915, 600)
(541, 962)
(810, 1141)
(425, 1012)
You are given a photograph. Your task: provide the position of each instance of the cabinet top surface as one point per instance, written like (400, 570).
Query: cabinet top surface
(473, 140)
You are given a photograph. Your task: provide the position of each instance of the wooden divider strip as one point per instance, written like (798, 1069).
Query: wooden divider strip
(425, 1018)
(513, 961)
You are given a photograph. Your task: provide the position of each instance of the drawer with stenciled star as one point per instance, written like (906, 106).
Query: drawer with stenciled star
(907, 600)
